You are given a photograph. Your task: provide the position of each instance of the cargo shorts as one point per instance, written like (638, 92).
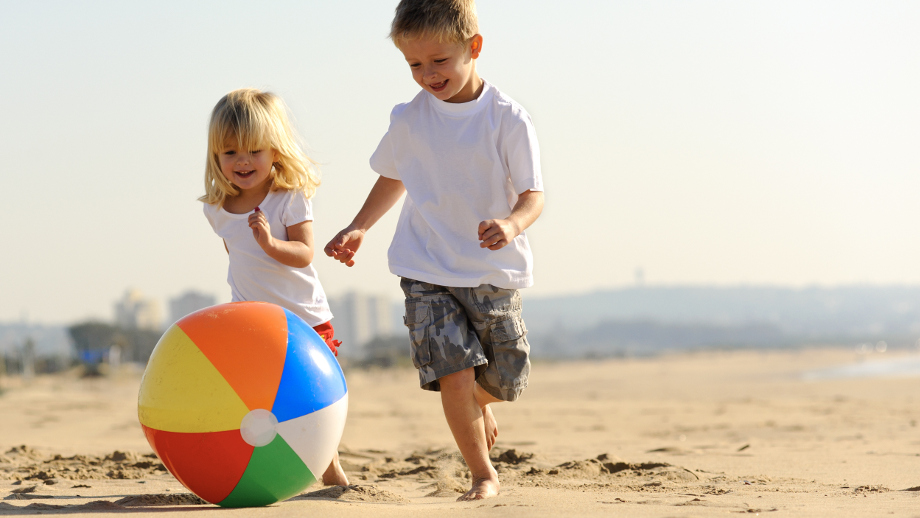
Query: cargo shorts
(453, 329)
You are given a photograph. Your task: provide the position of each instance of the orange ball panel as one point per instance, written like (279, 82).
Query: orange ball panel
(247, 343)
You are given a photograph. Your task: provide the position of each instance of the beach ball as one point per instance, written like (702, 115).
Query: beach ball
(243, 403)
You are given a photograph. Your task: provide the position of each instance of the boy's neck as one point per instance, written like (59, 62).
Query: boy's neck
(470, 91)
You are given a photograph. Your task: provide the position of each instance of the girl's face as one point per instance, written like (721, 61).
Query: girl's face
(247, 168)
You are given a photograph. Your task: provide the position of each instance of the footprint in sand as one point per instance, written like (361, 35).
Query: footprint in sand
(355, 493)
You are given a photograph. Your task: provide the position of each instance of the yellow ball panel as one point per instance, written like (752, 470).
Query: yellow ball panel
(183, 392)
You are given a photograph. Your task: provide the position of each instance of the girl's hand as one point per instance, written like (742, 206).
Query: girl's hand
(261, 230)
(494, 234)
(344, 245)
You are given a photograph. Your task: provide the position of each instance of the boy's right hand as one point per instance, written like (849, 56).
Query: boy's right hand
(344, 245)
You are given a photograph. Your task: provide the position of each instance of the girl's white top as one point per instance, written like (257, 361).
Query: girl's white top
(253, 275)
(461, 163)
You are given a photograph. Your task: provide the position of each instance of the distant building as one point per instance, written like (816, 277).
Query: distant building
(188, 302)
(133, 311)
(358, 318)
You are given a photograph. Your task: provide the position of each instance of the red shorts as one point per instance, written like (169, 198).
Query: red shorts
(326, 332)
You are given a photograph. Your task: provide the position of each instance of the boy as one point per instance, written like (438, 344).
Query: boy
(467, 157)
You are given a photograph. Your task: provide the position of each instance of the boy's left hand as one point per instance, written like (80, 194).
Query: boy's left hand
(496, 233)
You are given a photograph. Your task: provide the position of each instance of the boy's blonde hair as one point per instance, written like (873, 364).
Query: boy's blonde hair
(447, 20)
(256, 120)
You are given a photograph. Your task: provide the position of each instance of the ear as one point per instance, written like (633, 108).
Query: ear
(475, 45)
(275, 155)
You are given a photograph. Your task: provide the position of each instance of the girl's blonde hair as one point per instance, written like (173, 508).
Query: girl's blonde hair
(256, 120)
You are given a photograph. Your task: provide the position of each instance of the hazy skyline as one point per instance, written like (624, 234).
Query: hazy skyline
(705, 142)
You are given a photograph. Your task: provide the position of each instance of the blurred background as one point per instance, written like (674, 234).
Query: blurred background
(718, 173)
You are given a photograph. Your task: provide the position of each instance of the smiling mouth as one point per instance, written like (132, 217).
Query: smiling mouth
(437, 87)
(244, 174)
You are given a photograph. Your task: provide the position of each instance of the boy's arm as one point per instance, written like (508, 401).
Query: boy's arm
(496, 233)
(385, 193)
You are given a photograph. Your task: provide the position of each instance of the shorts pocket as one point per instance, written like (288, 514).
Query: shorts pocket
(511, 358)
(418, 319)
(508, 330)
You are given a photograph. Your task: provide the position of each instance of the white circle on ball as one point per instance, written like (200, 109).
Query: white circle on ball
(258, 427)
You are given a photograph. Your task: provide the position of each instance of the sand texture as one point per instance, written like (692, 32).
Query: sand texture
(701, 434)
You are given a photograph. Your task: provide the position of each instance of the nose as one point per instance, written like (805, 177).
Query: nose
(429, 72)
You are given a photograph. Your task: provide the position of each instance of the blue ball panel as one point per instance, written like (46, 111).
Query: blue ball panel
(312, 378)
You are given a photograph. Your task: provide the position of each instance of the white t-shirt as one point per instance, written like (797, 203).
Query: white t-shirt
(253, 275)
(461, 163)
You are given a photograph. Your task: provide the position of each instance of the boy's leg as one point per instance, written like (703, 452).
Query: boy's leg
(447, 353)
(484, 399)
(465, 419)
(495, 314)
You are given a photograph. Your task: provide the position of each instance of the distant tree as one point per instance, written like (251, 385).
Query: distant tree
(90, 337)
(93, 340)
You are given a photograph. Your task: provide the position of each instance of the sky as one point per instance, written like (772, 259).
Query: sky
(699, 142)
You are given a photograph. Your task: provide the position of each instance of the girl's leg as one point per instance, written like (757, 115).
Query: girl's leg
(335, 475)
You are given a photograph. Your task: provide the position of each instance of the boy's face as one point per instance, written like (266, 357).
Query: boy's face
(448, 69)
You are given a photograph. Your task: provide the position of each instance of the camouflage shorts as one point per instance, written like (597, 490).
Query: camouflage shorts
(453, 329)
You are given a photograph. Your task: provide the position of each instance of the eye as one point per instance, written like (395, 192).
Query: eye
(439, 61)
(414, 65)
(230, 152)
(256, 152)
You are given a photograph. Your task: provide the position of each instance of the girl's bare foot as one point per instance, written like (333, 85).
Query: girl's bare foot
(335, 475)
(482, 488)
(491, 426)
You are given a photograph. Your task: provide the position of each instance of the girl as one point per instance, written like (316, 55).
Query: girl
(258, 185)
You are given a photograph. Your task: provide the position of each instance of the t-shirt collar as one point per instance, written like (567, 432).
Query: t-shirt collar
(466, 108)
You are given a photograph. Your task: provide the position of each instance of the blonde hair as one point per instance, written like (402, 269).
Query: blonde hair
(256, 119)
(447, 20)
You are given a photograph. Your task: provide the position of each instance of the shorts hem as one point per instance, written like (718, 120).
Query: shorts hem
(504, 394)
(432, 385)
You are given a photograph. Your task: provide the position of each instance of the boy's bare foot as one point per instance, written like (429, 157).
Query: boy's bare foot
(491, 426)
(335, 475)
(482, 488)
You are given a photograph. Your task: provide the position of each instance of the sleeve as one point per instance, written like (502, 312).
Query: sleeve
(521, 154)
(208, 210)
(297, 209)
(383, 161)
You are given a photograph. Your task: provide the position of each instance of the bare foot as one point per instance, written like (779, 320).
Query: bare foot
(482, 488)
(335, 475)
(491, 426)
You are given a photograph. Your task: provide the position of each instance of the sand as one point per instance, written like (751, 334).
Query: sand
(700, 434)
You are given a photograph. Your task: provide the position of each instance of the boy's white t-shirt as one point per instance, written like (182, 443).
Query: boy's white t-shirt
(461, 163)
(253, 275)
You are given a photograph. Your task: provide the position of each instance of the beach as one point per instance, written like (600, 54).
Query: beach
(800, 433)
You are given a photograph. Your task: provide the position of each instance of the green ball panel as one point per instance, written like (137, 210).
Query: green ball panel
(275, 473)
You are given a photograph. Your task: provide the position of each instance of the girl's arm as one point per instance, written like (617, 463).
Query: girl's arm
(385, 193)
(496, 233)
(296, 252)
